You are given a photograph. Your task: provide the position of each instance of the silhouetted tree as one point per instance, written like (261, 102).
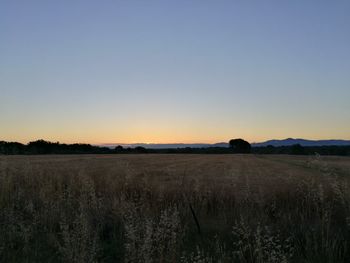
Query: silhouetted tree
(236, 146)
(119, 149)
(42, 147)
(12, 148)
(297, 149)
(140, 149)
(240, 146)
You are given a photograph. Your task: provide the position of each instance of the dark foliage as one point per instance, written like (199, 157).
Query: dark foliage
(240, 146)
(119, 149)
(45, 147)
(309, 150)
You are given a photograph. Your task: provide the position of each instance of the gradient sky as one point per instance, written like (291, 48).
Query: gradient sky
(174, 71)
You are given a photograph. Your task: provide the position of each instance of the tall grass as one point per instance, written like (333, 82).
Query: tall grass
(73, 211)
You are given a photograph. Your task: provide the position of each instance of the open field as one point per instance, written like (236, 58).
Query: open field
(174, 208)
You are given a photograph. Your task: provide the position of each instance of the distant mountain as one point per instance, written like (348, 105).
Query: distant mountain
(285, 142)
(302, 142)
(166, 145)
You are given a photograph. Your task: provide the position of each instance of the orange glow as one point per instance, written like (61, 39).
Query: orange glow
(98, 135)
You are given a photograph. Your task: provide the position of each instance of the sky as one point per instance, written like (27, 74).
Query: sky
(174, 71)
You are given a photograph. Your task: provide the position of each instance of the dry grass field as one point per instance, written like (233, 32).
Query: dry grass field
(174, 208)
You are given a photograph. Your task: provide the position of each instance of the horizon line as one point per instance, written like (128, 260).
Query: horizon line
(167, 143)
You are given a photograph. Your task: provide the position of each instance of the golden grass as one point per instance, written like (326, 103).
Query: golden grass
(174, 208)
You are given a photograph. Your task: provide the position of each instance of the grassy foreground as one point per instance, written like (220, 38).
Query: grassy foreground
(174, 208)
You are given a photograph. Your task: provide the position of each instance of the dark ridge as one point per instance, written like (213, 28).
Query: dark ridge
(45, 147)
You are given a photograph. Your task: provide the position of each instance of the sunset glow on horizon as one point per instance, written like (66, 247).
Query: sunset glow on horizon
(174, 71)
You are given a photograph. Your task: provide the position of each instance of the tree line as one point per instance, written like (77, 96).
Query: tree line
(235, 146)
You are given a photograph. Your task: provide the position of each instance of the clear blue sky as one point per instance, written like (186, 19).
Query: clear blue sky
(174, 71)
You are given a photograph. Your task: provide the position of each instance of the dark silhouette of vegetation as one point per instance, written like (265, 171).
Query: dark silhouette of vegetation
(45, 147)
(140, 149)
(12, 148)
(119, 149)
(236, 146)
(304, 150)
(240, 146)
(297, 149)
